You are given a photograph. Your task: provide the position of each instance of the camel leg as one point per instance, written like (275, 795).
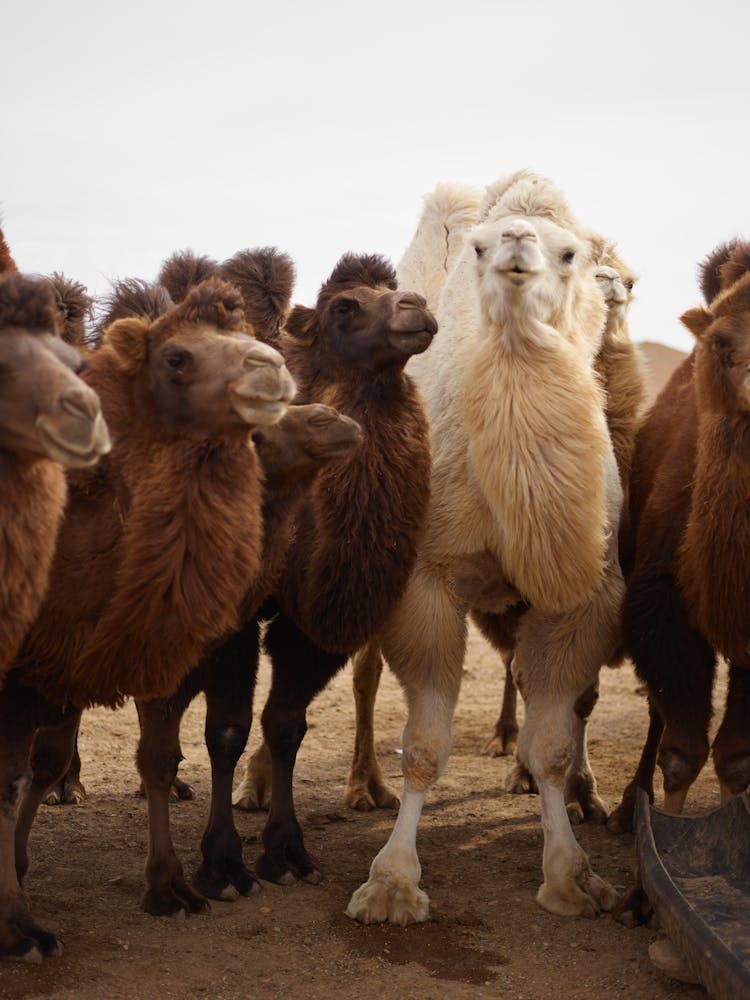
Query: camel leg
(158, 756)
(367, 788)
(622, 819)
(731, 749)
(504, 739)
(229, 687)
(51, 753)
(557, 661)
(678, 666)
(424, 643)
(254, 791)
(300, 671)
(581, 793)
(68, 790)
(21, 938)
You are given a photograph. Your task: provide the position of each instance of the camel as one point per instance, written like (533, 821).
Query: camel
(525, 502)
(686, 572)
(132, 599)
(49, 419)
(348, 351)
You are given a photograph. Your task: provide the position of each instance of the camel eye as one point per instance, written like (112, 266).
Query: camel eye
(345, 307)
(478, 250)
(629, 285)
(177, 359)
(568, 256)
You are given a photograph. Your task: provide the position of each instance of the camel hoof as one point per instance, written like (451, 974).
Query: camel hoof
(250, 799)
(53, 797)
(287, 879)
(229, 894)
(366, 797)
(575, 813)
(520, 781)
(667, 959)
(579, 894)
(313, 878)
(399, 902)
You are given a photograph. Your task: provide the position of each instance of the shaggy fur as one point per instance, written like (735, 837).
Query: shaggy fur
(74, 305)
(265, 277)
(690, 513)
(183, 271)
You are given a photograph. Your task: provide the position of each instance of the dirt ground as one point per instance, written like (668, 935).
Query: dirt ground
(480, 849)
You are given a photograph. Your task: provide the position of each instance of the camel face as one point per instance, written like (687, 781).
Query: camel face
(377, 328)
(307, 436)
(528, 265)
(208, 379)
(45, 409)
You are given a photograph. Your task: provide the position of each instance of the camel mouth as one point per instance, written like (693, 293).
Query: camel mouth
(78, 446)
(411, 342)
(258, 411)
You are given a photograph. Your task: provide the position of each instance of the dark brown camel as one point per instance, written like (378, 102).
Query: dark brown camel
(132, 601)
(687, 582)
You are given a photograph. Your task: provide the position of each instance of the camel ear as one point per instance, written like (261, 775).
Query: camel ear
(697, 321)
(126, 339)
(302, 324)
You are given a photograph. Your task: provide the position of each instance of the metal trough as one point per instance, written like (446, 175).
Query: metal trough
(696, 873)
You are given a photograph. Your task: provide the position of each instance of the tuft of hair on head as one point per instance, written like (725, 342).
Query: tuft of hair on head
(133, 297)
(526, 193)
(737, 265)
(214, 302)
(709, 270)
(265, 278)
(183, 271)
(371, 270)
(75, 306)
(7, 264)
(28, 302)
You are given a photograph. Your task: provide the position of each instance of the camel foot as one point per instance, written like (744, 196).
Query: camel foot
(622, 820)
(735, 774)
(68, 792)
(179, 791)
(390, 898)
(285, 859)
(168, 894)
(222, 874)
(572, 889)
(23, 940)
(584, 804)
(520, 781)
(633, 908)
(251, 797)
(667, 959)
(500, 746)
(372, 793)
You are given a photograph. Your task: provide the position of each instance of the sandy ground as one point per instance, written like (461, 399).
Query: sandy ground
(480, 849)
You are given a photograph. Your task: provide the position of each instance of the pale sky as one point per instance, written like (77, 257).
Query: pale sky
(131, 130)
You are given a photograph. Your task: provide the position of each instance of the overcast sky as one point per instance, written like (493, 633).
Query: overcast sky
(131, 130)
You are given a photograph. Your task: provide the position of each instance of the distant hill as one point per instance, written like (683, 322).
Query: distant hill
(661, 361)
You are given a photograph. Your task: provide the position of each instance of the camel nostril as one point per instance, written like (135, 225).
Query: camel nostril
(79, 403)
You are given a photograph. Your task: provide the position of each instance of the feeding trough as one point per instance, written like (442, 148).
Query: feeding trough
(696, 874)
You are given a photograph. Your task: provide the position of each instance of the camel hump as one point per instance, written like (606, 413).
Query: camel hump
(7, 264)
(265, 277)
(183, 271)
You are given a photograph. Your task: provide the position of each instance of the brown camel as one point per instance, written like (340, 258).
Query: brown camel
(687, 586)
(48, 419)
(132, 600)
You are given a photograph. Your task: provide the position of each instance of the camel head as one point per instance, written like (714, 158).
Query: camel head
(722, 333)
(46, 410)
(361, 320)
(534, 266)
(307, 437)
(615, 279)
(195, 367)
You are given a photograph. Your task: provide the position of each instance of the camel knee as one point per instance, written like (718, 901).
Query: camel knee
(226, 744)
(422, 766)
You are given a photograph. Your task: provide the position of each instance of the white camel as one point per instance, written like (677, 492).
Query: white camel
(525, 501)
